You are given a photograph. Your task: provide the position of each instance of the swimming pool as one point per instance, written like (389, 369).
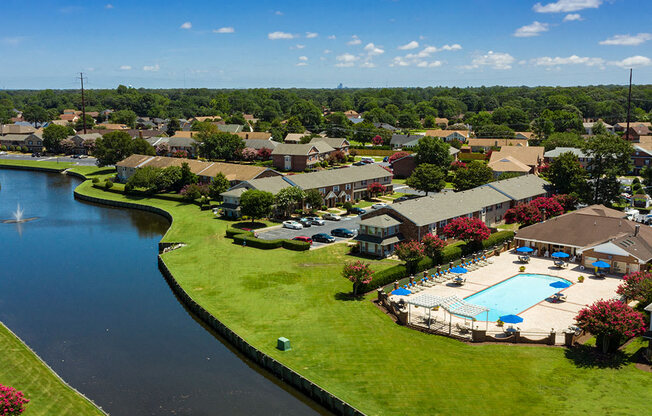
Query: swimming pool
(514, 295)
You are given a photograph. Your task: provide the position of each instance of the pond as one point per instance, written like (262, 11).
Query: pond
(80, 285)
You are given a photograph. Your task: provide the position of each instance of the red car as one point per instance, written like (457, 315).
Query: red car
(303, 238)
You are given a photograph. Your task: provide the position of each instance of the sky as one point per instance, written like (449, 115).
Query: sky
(310, 44)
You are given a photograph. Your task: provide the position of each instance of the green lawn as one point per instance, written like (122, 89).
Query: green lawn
(35, 163)
(398, 181)
(48, 395)
(357, 353)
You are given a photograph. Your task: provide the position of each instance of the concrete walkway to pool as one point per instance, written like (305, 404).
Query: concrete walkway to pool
(538, 319)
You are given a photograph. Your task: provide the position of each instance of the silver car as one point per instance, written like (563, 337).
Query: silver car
(332, 217)
(293, 225)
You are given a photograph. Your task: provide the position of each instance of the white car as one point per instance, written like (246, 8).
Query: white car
(293, 225)
(316, 220)
(332, 217)
(379, 205)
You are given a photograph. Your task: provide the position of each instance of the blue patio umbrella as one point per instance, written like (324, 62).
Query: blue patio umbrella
(401, 292)
(458, 270)
(559, 255)
(525, 249)
(600, 264)
(559, 285)
(511, 319)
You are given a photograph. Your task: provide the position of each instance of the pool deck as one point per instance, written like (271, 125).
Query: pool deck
(538, 319)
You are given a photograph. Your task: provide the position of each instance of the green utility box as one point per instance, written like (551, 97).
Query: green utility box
(283, 344)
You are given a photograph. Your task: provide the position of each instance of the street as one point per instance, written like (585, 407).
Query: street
(350, 223)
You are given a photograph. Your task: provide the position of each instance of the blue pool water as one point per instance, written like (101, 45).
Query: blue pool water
(514, 295)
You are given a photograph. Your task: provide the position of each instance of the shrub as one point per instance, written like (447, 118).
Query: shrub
(357, 272)
(3, 148)
(191, 192)
(296, 245)
(384, 277)
(96, 180)
(637, 286)
(12, 401)
(497, 238)
(411, 252)
(467, 229)
(230, 232)
(251, 241)
(24, 149)
(347, 206)
(108, 184)
(610, 321)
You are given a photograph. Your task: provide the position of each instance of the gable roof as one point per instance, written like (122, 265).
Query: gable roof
(556, 152)
(486, 142)
(340, 176)
(446, 205)
(385, 126)
(260, 144)
(526, 134)
(230, 128)
(508, 164)
(381, 221)
(17, 129)
(294, 137)
(272, 184)
(521, 187)
(181, 141)
(401, 139)
(530, 155)
(134, 161)
(334, 142)
(234, 171)
(14, 137)
(254, 135)
(446, 133)
(296, 149)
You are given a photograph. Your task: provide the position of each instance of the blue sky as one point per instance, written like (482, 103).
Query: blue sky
(260, 43)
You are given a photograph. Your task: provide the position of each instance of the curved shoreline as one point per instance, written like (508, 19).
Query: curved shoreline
(276, 368)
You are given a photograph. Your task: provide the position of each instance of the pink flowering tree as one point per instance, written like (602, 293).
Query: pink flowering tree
(455, 165)
(637, 286)
(249, 153)
(162, 149)
(67, 146)
(396, 156)
(375, 188)
(89, 145)
(568, 202)
(550, 206)
(180, 154)
(377, 140)
(525, 214)
(410, 252)
(264, 153)
(610, 321)
(432, 245)
(467, 229)
(12, 401)
(359, 273)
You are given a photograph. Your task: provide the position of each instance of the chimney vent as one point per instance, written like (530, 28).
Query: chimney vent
(638, 227)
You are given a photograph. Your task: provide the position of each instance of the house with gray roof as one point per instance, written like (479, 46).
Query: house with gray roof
(299, 157)
(260, 144)
(551, 155)
(230, 128)
(404, 141)
(334, 142)
(430, 214)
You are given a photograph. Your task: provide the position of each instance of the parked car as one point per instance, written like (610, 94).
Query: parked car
(386, 159)
(400, 199)
(332, 217)
(323, 238)
(343, 232)
(303, 238)
(358, 211)
(305, 222)
(75, 156)
(359, 163)
(83, 157)
(367, 159)
(35, 154)
(379, 205)
(293, 225)
(316, 221)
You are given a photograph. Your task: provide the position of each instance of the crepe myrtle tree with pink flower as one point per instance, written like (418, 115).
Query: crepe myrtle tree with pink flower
(249, 153)
(12, 401)
(432, 245)
(377, 140)
(637, 286)
(467, 229)
(410, 252)
(375, 188)
(359, 273)
(610, 321)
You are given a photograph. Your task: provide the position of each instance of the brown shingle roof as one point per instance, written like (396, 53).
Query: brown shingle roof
(530, 155)
(233, 171)
(254, 135)
(133, 161)
(484, 142)
(446, 133)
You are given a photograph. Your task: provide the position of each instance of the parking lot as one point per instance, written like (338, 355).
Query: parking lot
(90, 161)
(350, 223)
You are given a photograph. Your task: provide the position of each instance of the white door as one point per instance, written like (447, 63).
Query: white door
(288, 162)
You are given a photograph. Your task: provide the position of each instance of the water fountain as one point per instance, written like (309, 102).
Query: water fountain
(18, 217)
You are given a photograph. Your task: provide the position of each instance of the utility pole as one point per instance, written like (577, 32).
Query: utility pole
(81, 77)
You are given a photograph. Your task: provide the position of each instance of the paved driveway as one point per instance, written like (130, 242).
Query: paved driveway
(350, 223)
(90, 161)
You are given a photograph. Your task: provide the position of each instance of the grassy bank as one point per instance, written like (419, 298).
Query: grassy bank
(48, 395)
(353, 350)
(46, 164)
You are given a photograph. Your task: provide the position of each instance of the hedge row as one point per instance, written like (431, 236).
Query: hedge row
(471, 156)
(247, 237)
(449, 254)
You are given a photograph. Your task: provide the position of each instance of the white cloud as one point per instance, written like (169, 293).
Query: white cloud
(332, 37)
(355, 40)
(627, 40)
(633, 61)
(410, 45)
(125, 67)
(311, 35)
(302, 63)
(303, 58)
(572, 17)
(108, 6)
(535, 29)
(571, 60)
(346, 60)
(418, 58)
(278, 13)
(280, 35)
(327, 51)
(564, 6)
(12, 40)
(227, 29)
(373, 50)
(300, 46)
(495, 60)
(151, 68)
(186, 25)
(367, 64)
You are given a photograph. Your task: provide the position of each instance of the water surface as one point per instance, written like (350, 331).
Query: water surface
(80, 285)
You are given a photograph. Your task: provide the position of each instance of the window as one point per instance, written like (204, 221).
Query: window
(348, 197)
(347, 186)
(490, 208)
(364, 183)
(336, 188)
(322, 190)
